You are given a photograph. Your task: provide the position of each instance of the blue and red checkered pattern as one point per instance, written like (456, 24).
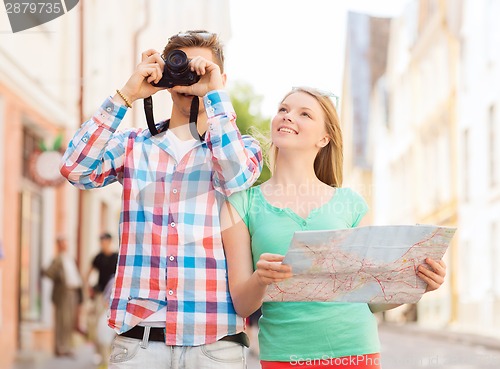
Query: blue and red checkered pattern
(171, 251)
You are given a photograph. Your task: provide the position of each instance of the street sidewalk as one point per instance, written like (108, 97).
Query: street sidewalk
(83, 359)
(84, 352)
(84, 355)
(449, 334)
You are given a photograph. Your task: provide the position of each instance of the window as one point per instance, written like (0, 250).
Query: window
(466, 162)
(104, 217)
(492, 32)
(30, 256)
(495, 257)
(30, 234)
(31, 143)
(494, 147)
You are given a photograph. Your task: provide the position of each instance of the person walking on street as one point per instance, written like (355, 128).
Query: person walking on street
(66, 297)
(104, 263)
(170, 304)
(304, 193)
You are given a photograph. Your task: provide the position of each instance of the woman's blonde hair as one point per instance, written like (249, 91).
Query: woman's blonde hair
(328, 164)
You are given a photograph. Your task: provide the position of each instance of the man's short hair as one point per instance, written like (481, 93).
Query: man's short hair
(105, 236)
(197, 38)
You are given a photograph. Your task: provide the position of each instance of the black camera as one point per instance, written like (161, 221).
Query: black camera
(176, 71)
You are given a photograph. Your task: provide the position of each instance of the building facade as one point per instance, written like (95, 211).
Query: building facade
(421, 133)
(37, 100)
(479, 168)
(410, 136)
(435, 143)
(365, 60)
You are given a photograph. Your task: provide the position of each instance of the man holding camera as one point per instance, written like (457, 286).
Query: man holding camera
(170, 304)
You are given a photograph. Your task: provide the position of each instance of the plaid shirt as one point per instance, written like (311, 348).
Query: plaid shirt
(171, 251)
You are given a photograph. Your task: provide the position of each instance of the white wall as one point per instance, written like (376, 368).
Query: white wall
(38, 65)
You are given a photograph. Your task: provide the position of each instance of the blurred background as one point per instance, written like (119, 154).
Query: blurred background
(419, 87)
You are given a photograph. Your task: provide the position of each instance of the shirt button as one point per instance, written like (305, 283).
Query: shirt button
(304, 223)
(108, 109)
(209, 102)
(172, 224)
(174, 190)
(171, 258)
(170, 292)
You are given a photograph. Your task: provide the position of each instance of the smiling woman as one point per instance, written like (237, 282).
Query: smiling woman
(306, 154)
(258, 224)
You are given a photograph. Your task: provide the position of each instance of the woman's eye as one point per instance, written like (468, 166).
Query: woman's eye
(281, 110)
(306, 115)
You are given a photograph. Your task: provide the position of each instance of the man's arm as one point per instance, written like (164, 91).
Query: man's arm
(52, 272)
(94, 157)
(237, 159)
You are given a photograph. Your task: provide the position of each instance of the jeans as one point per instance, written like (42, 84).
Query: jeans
(128, 353)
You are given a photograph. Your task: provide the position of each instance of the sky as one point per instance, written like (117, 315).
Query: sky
(278, 44)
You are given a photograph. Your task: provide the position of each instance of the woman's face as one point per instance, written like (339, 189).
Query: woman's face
(299, 123)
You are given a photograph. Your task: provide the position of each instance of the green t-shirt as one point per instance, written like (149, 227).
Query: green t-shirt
(290, 331)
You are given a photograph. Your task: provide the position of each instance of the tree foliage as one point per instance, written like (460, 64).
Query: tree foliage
(249, 118)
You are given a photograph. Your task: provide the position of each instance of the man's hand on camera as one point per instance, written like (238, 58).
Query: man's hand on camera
(139, 84)
(211, 78)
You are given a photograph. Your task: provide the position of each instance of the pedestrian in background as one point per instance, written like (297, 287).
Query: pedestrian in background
(306, 158)
(66, 297)
(104, 263)
(170, 303)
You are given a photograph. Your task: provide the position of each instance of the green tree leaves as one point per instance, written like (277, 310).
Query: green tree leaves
(250, 121)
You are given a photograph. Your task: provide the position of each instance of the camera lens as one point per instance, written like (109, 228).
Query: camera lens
(177, 61)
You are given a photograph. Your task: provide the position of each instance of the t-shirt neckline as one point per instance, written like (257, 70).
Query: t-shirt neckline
(289, 211)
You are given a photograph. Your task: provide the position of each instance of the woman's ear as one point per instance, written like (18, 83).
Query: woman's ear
(323, 142)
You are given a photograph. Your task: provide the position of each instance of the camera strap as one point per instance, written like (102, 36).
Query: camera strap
(148, 110)
(193, 118)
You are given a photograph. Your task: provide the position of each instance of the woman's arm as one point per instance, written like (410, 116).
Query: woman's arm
(434, 277)
(247, 287)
